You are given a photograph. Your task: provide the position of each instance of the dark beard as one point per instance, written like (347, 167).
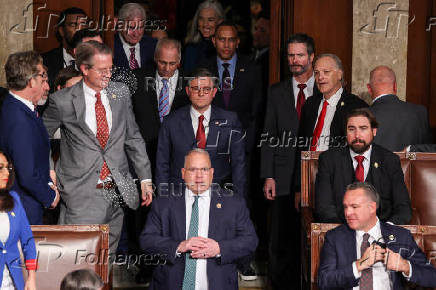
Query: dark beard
(302, 71)
(359, 150)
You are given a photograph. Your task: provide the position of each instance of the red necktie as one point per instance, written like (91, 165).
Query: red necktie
(133, 63)
(102, 131)
(365, 282)
(201, 135)
(360, 173)
(301, 98)
(319, 126)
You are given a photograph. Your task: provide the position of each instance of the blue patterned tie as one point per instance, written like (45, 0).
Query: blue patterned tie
(190, 263)
(164, 102)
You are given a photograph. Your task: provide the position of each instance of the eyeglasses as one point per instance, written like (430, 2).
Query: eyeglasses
(195, 170)
(8, 168)
(104, 71)
(205, 90)
(43, 75)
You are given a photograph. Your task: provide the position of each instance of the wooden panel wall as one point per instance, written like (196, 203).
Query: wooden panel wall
(46, 15)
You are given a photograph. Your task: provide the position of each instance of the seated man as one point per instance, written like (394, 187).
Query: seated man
(361, 160)
(200, 232)
(360, 255)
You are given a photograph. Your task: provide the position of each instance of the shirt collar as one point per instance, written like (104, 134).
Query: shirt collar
(309, 82)
(126, 45)
(195, 114)
(172, 80)
(379, 97)
(333, 101)
(28, 103)
(89, 91)
(232, 61)
(366, 154)
(374, 232)
(67, 57)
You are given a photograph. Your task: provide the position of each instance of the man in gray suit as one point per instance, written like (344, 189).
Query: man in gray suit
(400, 123)
(98, 129)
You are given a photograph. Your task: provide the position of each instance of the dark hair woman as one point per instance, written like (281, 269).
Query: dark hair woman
(14, 227)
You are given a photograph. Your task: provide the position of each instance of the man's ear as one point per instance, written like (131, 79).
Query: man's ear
(374, 131)
(213, 41)
(395, 87)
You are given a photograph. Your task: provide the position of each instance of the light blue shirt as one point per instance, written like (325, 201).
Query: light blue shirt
(231, 67)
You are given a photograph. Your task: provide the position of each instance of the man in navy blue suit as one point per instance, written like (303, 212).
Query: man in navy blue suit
(198, 233)
(369, 254)
(220, 133)
(23, 135)
(133, 49)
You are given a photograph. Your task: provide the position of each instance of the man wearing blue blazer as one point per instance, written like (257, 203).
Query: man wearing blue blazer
(23, 136)
(133, 49)
(202, 125)
(199, 232)
(367, 253)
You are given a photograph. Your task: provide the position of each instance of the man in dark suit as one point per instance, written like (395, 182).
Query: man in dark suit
(160, 91)
(199, 232)
(202, 125)
(279, 162)
(70, 20)
(133, 49)
(261, 35)
(400, 123)
(240, 80)
(322, 118)
(361, 160)
(367, 253)
(23, 136)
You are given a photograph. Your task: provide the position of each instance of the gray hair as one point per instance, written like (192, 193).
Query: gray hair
(369, 190)
(337, 61)
(168, 43)
(193, 35)
(131, 10)
(196, 150)
(86, 50)
(20, 67)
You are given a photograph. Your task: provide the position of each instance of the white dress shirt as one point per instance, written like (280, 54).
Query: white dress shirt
(366, 160)
(323, 143)
(172, 87)
(28, 103)
(68, 58)
(308, 90)
(201, 282)
(127, 48)
(194, 117)
(90, 100)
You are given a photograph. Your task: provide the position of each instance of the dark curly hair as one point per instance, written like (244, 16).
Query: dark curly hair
(6, 200)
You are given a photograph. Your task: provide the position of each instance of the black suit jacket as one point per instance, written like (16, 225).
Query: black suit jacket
(309, 116)
(400, 123)
(279, 138)
(145, 107)
(146, 46)
(54, 61)
(339, 253)
(335, 172)
(246, 95)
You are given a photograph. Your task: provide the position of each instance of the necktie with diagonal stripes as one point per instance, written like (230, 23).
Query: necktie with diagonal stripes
(164, 102)
(366, 276)
(190, 263)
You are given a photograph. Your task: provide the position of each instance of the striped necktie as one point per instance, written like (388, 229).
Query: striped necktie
(164, 102)
(190, 263)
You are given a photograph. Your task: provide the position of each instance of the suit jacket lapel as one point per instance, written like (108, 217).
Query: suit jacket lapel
(215, 212)
(115, 109)
(289, 99)
(186, 125)
(374, 174)
(337, 118)
(350, 250)
(386, 234)
(180, 213)
(212, 138)
(314, 113)
(348, 169)
(80, 109)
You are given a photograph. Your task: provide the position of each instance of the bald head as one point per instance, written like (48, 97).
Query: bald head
(382, 80)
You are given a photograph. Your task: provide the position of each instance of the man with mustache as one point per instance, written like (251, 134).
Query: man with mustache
(363, 161)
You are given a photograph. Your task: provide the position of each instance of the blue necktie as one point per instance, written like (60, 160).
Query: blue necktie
(164, 102)
(190, 263)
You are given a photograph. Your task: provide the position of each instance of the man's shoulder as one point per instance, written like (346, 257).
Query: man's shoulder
(177, 115)
(336, 154)
(221, 113)
(279, 86)
(148, 41)
(53, 53)
(381, 151)
(353, 100)
(338, 233)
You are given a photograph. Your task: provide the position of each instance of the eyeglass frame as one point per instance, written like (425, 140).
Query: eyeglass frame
(202, 170)
(197, 90)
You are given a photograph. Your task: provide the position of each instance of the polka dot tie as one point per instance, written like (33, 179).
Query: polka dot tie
(102, 131)
(366, 276)
(190, 263)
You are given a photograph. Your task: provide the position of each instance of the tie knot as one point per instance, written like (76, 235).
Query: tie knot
(165, 82)
(226, 65)
(132, 50)
(98, 96)
(359, 158)
(201, 119)
(365, 238)
(301, 86)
